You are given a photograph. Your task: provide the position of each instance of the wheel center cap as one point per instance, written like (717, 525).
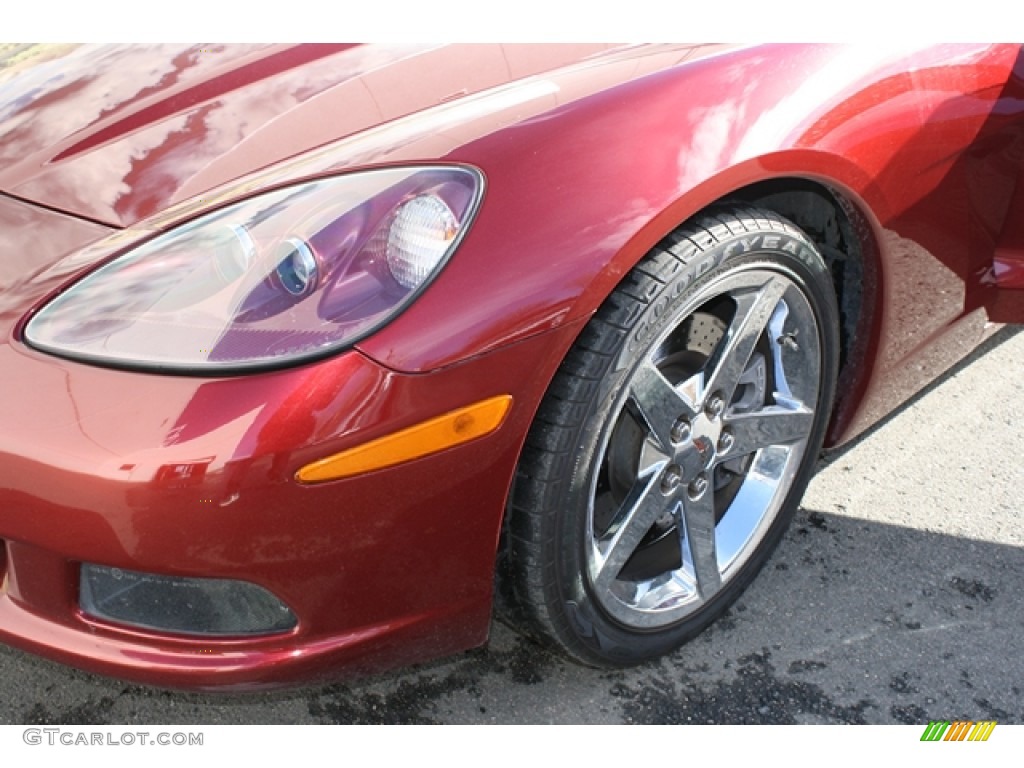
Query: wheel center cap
(705, 448)
(698, 453)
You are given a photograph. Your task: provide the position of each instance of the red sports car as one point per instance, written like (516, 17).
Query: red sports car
(305, 348)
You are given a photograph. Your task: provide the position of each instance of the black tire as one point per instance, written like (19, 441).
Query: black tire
(610, 551)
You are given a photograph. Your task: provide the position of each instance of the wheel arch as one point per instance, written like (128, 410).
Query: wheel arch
(839, 223)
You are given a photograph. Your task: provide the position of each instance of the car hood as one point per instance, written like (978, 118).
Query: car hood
(117, 133)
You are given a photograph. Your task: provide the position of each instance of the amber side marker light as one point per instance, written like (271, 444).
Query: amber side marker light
(445, 431)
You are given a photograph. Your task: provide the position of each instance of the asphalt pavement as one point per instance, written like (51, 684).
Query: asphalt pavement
(896, 597)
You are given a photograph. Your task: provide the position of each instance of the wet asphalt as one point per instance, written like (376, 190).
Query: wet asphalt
(896, 597)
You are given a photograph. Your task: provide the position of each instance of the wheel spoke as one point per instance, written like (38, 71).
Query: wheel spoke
(641, 509)
(699, 529)
(658, 403)
(753, 311)
(773, 425)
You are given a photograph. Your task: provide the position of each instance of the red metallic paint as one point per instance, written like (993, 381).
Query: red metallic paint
(592, 154)
(126, 131)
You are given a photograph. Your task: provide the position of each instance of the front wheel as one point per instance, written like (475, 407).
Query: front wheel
(676, 439)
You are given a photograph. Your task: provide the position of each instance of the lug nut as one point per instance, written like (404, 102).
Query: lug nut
(726, 441)
(680, 430)
(715, 406)
(698, 486)
(671, 479)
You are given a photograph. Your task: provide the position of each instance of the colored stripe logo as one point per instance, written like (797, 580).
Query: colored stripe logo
(958, 730)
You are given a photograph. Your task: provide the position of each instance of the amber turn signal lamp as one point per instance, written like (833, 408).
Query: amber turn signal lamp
(451, 429)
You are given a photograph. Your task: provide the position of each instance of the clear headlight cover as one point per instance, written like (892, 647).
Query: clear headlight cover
(286, 276)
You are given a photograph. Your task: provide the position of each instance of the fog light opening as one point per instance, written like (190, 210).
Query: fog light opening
(181, 604)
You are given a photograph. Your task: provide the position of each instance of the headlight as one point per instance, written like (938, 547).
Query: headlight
(287, 276)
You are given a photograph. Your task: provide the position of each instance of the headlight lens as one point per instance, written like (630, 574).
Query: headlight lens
(283, 277)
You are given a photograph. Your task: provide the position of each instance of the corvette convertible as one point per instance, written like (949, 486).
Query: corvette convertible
(308, 352)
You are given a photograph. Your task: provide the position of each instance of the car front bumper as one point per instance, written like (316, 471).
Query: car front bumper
(195, 477)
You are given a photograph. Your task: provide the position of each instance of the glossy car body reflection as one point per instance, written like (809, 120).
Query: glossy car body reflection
(592, 154)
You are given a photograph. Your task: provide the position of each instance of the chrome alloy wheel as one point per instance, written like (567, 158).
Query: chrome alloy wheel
(673, 444)
(711, 429)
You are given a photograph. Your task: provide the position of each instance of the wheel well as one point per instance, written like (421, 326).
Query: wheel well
(827, 218)
(843, 235)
